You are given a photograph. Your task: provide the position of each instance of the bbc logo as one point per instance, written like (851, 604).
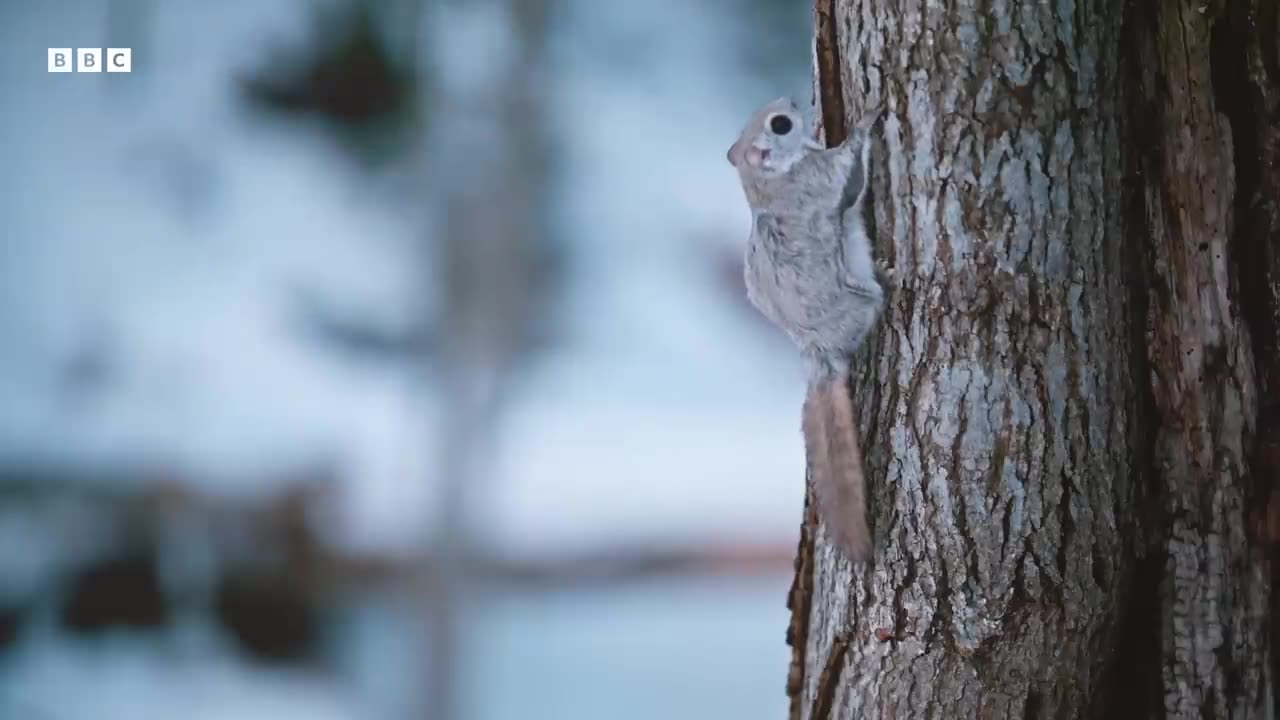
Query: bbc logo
(91, 59)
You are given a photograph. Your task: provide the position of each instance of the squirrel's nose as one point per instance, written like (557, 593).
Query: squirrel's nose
(755, 156)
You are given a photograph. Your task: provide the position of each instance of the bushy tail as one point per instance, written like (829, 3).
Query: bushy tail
(835, 461)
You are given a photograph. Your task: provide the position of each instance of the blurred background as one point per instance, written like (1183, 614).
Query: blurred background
(383, 359)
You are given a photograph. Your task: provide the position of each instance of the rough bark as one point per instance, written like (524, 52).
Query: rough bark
(1061, 408)
(1191, 112)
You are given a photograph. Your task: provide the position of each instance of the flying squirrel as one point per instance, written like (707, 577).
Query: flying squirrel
(809, 271)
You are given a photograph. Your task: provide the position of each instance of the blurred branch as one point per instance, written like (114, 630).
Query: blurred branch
(364, 337)
(273, 582)
(349, 75)
(279, 532)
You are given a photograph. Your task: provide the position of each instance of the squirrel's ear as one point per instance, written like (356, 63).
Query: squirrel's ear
(855, 187)
(813, 138)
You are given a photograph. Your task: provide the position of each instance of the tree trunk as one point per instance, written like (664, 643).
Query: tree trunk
(494, 279)
(1070, 406)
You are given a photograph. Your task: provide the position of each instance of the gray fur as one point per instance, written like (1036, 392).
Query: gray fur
(809, 270)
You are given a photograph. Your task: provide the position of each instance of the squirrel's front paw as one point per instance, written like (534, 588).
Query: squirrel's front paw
(882, 267)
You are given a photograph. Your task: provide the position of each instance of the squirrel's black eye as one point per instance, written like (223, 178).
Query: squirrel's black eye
(780, 124)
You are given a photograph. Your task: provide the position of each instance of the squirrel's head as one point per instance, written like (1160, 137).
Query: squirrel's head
(776, 137)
